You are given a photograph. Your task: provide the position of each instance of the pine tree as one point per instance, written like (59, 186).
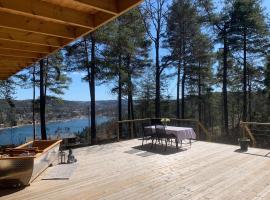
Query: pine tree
(154, 15)
(125, 56)
(220, 22)
(249, 35)
(183, 30)
(83, 57)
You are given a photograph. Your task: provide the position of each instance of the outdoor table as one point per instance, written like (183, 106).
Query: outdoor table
(181, 133)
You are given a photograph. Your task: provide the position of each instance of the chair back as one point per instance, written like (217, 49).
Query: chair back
(160, 131)
(155, 122)
(147, 131)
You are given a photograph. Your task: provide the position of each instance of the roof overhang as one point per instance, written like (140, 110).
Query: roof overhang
(32, 29)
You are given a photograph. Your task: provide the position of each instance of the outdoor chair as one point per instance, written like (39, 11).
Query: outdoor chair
(162, 135)
(148, 133)
(155, 122)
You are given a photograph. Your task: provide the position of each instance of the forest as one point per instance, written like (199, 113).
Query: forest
(214, 54)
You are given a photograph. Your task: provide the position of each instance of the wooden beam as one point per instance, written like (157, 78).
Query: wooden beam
(20, 54)
(48, 11)
(32, 38)
(124, 5)
(102, 18)
(26, 47)
(44, 27)
(107, 6)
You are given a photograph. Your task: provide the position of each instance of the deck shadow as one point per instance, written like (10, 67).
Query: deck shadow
(8, 191)
(146, 150)
(252, 154)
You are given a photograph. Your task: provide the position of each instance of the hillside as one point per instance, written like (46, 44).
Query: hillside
(56, 109)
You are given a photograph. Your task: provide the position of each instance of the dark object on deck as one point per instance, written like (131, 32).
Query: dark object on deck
(71, 158)
(244, 143)
(62, 157)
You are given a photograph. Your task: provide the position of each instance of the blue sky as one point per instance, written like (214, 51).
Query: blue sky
(79, 91)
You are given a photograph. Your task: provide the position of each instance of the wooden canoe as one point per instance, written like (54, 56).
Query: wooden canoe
(21, 165)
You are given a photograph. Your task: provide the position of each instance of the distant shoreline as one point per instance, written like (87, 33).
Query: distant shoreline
(50, 121)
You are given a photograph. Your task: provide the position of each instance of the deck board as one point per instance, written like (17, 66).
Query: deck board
(126, 171)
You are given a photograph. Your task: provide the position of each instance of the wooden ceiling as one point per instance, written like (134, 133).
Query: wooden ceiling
(32, 29)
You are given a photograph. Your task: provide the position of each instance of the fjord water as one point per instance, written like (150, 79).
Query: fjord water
(17, 135)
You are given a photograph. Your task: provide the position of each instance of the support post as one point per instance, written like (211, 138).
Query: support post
(132, 130)
(198, 129)
(117, 132)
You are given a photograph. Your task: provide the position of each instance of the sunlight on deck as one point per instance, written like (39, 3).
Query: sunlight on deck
(126, 171)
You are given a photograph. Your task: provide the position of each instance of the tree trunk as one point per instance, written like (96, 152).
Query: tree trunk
(120, 94)
(225, 82)
(129, 95)
(92, 90)
(33, 103)
(183, 91)
(89, 85)
(157, 100)
(46, 78)
(200, 94)
(132, 117)
(42, 102)
(233, 112)
(249, 96)
(245, 77)
(178, 90)
(183, 86)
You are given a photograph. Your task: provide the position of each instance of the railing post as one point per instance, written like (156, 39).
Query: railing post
(117, 132)
(198, 129)
(132, 132)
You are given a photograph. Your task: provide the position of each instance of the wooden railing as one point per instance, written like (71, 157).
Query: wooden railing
(246, 132)
(200, 129)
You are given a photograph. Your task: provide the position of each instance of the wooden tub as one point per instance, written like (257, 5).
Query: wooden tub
(21, 165)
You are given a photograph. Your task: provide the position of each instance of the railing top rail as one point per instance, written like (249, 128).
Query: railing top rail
(133, 120)
(137, 120)
(254, 123)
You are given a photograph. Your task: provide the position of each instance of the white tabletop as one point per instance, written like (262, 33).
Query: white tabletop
(181, 133)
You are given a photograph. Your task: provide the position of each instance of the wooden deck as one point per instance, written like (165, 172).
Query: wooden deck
(126, 171)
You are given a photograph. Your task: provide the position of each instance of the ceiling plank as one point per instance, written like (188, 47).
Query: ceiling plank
(32, 38)
(25, 47)
(20, 54)
(12, 70)
(14, 63)
(107, 6)
(25, 23)
(5, 74)
(49, 11)
(8, 58)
